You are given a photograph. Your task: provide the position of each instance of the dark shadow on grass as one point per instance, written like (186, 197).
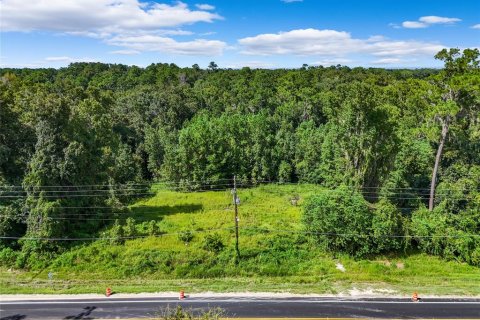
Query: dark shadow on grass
(148, 213)
(14, 317)
(84, 314)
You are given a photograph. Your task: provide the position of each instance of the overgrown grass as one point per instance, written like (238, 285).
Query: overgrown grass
(274, 255)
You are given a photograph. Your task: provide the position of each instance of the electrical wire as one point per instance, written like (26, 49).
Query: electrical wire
(194, 183)
(110, 190)
(114, 238)
(263, 230)
(357, 234)
(87, 193)
(158, 182)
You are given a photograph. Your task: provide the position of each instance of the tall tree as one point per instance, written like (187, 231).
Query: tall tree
(457, 83)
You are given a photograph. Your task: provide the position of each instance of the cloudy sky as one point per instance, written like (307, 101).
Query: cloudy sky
(235, 33)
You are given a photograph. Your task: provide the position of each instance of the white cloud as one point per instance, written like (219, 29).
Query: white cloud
(403, 48)
(331, 62)
(299, 42)
(125, 52)
(105, 35)
(131, 24)
(69, 59)
(388, 61)
(210, 33)
(330, 44)
(251, 64)
(168, 45)
(205, 7)
(426, 21)
(476, 26)
(22, 65)
(173, 32)
(95, 35)
(436, 19)
(376, 38)
(414, 25)
(105, 16)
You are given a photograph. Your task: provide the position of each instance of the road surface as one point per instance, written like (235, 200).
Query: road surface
(111, 308)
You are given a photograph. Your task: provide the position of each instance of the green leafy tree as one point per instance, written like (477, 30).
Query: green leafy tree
(459, 84)
(340, 220)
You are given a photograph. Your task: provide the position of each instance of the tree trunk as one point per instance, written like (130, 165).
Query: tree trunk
(443, 137)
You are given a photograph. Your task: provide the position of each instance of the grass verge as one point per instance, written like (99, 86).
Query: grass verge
(276, 256)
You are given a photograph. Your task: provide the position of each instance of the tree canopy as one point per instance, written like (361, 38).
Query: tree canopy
(389, 136)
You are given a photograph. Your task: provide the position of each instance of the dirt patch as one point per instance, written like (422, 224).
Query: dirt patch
(340, 267)
(385, 263)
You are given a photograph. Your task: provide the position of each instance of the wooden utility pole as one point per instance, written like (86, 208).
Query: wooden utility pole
(235, 203)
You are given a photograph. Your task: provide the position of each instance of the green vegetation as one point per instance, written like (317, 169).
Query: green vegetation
(97, 161)
(276, 255)
(179, 313)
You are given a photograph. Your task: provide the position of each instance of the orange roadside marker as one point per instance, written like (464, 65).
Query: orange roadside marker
(108, 292)
(415, 297)
(182, 295)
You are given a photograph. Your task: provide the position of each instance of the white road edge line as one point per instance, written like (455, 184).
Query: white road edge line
(233, 301)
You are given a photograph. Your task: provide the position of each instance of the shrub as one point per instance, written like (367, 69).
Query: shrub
(8, 257)
(387, 223)
(427, 228)
(180, 314)
(129, 229)
(447, 235)
(213, 243)
(115, 234)
(340, 220)
(185, 236)
(152, 228)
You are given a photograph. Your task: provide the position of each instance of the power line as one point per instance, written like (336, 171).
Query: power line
(110, 185)
(292, 231)
(367, 194)
(356, 188)
(108, 190)
(104, 194)
(113, 238)
(92, 219)
(130, 214)
(357, 234)
(75, 195)
(194, 183)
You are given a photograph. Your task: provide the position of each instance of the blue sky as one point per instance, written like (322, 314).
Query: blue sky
(235, 33)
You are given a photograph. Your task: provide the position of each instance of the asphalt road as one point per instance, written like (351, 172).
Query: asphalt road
(243, 307)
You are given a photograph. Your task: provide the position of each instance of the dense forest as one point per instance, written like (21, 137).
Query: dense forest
(95, 135)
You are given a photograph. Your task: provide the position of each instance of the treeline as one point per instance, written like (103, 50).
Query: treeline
(102, 132)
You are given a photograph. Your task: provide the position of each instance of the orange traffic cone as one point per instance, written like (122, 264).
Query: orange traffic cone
(108, 292)
(415, 297)
(182, 295)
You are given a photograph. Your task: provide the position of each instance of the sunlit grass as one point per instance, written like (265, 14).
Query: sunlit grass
(279, 260)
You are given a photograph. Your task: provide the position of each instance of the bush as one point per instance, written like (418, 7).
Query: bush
(446, 235)
(115, 234)
(340, 220)
(213, 243)
(180, 314)
(185, 236)
(8, 257)
(152, 228)
(428, 229)
(129, 229)
(387, 222)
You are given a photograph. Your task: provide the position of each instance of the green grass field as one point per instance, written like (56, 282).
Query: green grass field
(275, 255)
